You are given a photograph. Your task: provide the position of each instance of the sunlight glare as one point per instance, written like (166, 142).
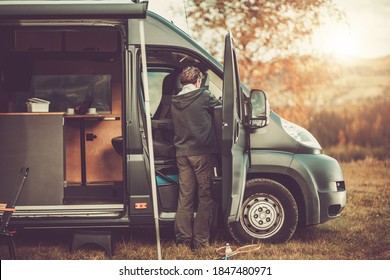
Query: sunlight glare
(336, 40)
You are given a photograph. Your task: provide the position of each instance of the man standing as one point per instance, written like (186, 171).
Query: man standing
(195, 143)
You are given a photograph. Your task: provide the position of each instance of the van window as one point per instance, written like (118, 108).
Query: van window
(69, 91)
(155, 80)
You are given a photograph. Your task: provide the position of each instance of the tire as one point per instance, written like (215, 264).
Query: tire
(268, 214)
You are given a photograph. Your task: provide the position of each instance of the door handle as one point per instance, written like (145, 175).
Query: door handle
(90, 136)
(236, 131)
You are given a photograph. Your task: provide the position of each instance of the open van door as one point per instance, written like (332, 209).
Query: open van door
(234, 158)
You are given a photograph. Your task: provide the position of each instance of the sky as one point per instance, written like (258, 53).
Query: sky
(367, 34)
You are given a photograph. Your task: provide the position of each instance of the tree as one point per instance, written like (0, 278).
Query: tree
(272, 39)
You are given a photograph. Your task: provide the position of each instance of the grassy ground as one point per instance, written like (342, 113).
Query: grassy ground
(361, 233)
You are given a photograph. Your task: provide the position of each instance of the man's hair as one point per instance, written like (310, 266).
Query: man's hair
(190, 75)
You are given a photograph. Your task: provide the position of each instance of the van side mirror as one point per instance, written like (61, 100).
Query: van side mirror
(259, 109)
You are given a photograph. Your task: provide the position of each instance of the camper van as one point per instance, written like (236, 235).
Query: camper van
(85, 90)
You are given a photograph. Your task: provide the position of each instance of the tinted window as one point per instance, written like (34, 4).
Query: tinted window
(69, 91)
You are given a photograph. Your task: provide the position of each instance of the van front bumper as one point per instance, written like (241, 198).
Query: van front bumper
(326, 195)
(332, 203)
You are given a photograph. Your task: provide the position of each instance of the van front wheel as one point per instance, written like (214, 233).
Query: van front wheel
(269, 213)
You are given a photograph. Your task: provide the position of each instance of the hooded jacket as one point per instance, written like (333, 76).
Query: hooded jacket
(193, 122)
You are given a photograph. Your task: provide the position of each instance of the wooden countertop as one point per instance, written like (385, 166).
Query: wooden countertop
(66, 116)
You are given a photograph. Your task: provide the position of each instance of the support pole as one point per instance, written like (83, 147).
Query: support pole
(149, 133)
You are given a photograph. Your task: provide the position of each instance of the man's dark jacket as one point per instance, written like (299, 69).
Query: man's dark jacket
(192, 115)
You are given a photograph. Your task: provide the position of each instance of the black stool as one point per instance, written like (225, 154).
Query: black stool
(103, 238)
(8, 208)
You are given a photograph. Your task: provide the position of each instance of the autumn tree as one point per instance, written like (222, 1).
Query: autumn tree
(272, 40)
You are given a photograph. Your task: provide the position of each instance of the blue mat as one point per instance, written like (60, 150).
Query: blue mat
(162, 181)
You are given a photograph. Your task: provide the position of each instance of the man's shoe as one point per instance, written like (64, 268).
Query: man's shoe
(197, 245)
(185, 242)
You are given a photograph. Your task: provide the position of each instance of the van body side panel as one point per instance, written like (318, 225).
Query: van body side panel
(172, 36)
(268, 160)
(138, 182)
(154, 29)
(54, 222)
(238, 191)
(273, 137)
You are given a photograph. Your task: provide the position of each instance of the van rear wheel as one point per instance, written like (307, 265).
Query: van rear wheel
(269, 213)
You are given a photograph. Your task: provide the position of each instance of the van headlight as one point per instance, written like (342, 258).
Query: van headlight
(300, 134)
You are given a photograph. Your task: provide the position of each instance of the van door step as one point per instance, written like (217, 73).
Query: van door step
(102, 238)
(84, 210)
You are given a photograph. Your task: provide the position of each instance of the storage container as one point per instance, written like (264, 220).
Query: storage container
(37, 105)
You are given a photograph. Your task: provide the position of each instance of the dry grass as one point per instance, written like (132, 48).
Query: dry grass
(361, 233)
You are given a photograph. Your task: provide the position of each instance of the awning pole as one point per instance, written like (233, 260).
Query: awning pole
(149, 133)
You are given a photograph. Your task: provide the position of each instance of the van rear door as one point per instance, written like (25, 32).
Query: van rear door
(234, 158)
